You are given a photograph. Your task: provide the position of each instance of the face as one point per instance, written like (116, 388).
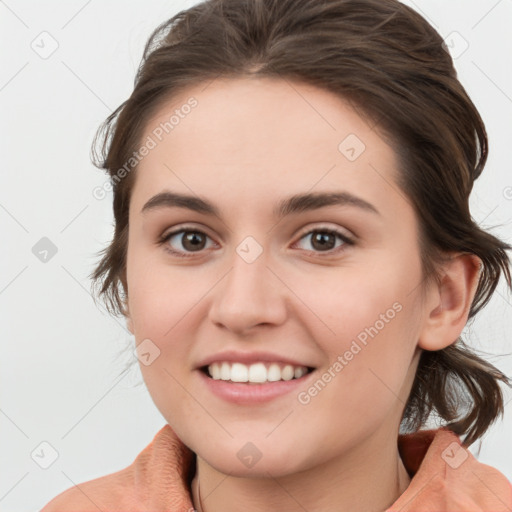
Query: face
(247, 275)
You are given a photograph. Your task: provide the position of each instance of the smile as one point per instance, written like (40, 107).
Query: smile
(255, 373)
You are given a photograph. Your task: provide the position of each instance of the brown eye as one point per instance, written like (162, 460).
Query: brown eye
(193, 240)
(325, 240)
(185, 241)
(322, 240)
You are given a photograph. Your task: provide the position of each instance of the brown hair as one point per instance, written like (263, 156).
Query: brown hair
(390, 64)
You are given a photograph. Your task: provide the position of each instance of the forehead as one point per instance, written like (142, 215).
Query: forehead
(262, 136)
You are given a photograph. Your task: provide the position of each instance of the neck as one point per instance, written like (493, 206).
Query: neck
(369, 479)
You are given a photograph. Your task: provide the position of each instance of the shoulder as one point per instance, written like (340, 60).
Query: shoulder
(446, 476)
(111, 492)
(155, 478)
(481, 483)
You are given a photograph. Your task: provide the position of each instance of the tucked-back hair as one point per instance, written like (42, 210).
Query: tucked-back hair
(391, 66)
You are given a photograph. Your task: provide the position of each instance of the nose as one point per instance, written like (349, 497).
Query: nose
(250, 295)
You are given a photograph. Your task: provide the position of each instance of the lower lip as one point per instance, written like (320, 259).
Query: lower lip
(244, 393)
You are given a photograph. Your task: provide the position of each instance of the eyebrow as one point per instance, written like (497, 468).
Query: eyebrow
(295, 204)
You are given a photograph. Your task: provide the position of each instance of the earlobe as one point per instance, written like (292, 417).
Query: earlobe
(449, 302)
(126, 310)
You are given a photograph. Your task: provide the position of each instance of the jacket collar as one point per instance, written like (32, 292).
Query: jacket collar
(445, 475)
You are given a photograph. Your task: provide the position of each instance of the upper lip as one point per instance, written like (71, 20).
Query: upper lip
(248, 358)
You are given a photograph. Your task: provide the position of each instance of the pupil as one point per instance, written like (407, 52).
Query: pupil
(192, 240)
(322, 240)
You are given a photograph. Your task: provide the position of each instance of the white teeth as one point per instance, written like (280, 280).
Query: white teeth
(256, 372)
(239, 372)
(274, 372)
(215, 369)
(287, 372)
(299, 372)
(225, 371)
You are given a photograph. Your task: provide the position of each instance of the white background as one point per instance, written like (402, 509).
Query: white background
(60, 353)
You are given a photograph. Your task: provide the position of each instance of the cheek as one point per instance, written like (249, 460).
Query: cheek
(369, 331)
(160, 296)
(352, 302)
(168, 319)
(161, 309)
(365, 382)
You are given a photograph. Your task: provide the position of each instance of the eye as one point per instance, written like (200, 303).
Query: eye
(324, 240)
(185, 240)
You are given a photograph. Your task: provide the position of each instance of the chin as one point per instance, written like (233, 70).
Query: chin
(254, 459)
(272, 466)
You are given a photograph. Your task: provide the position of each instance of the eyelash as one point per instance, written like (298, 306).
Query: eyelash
(184, 229)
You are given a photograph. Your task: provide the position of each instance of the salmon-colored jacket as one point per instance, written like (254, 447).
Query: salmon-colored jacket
(445, 478)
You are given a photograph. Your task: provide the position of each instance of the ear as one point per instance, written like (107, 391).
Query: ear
(126, 311)
(448, 303)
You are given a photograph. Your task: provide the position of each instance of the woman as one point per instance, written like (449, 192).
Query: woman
(295, 257)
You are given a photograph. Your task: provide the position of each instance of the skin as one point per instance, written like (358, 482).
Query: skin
(248, 144)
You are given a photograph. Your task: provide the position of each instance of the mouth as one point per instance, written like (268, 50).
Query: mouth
(255, 373)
